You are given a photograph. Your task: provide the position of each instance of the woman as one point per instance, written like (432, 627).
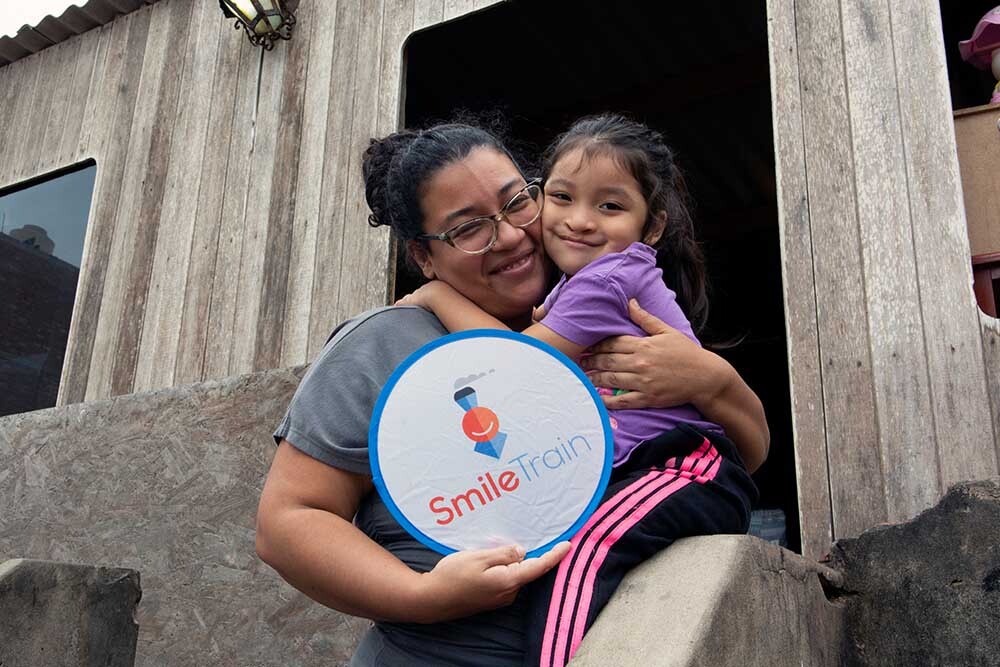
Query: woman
(461, 609)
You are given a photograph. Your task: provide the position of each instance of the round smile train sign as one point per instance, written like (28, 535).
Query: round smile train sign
(484, 438)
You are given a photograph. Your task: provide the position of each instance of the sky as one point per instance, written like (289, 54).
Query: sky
(16, 13)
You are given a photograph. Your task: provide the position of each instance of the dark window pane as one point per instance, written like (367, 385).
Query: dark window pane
(42, 229)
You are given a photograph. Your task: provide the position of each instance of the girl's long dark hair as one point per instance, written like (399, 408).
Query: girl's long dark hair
(643, 152)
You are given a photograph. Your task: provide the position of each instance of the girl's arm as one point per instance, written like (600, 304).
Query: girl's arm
(304, 531)
(666, 369)
(457, 313)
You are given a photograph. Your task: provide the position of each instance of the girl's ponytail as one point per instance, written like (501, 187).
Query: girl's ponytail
(684, 262)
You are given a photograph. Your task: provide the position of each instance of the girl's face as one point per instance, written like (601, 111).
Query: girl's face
(593, 207)
(509, 279)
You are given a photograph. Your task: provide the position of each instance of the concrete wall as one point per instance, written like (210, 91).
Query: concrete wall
(62, 615)
(167, 483)
(719, 601)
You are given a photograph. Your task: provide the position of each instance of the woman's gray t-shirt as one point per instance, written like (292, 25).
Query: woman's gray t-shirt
(328, 420)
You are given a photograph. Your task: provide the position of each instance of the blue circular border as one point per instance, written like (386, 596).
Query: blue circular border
(390, 384)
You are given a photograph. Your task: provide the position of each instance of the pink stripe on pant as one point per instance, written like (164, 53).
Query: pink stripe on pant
(575, 578)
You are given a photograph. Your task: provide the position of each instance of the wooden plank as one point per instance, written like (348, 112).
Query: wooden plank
(115, 102)
(284, 185)
(307, 220)
(13, 78)
(952, 329)
(111, 366)
(223, 132)
(455, 8)
(902, 386)
(257, 218)
(364, 255)
(161, 321)
(93, 47)
(991, 354)
(482, 4)
(801, 326)
(20, 122)
(427, 13)
(176, 22)
(62, 105)
(96, 95)
(381, 246)
(27, 157)
(856, 477)
(222, 302)
(991, 347)
(336, 165)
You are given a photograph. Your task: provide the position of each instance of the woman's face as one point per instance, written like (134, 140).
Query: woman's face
(509, 279)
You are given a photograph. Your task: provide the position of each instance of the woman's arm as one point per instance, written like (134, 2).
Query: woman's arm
(667, 369)
(458, 313)
(304, 531)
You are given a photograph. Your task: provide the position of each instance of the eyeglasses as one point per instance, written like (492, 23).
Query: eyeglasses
(478, 235)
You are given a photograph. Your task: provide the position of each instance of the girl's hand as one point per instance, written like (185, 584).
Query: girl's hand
(662, 370)
(469, 582)
(423, 296)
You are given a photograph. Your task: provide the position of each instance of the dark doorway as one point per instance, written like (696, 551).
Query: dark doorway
(698, 72)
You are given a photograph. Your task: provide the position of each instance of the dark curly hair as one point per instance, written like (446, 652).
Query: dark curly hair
(644, 154)
(396, 167)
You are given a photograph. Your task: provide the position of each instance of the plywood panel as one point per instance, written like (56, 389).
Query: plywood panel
(109, 141)
(844, 343)
(336, 165)
(307, 219)
(906, 438)
(165, 296)
(223, 131)
(801, 326)
(954, 351)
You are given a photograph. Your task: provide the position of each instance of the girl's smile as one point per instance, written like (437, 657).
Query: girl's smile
(593, 207)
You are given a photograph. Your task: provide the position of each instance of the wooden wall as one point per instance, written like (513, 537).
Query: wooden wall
(217, 244)
(895, 380)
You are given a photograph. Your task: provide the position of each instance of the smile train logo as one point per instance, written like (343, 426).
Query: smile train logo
(480, 424)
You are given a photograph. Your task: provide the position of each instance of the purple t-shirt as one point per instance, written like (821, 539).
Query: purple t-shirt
(593, 305)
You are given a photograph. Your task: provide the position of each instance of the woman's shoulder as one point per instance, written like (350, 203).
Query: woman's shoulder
(389, 329)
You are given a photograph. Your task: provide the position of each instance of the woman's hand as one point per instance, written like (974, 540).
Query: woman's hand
(662, 370)
(469, 582)
(666, 369)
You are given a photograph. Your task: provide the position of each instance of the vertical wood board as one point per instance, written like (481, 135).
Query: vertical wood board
(941, 246)
(851, 428)
(906, 437)
(801, 326)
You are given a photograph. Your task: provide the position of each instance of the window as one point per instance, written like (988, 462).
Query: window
(42, 229)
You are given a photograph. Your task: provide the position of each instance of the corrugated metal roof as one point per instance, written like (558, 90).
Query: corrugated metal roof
(74, 21)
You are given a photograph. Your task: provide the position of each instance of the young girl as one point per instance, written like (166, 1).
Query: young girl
(613, 198)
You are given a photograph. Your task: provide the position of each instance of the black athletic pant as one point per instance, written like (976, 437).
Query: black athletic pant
(683, 483)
